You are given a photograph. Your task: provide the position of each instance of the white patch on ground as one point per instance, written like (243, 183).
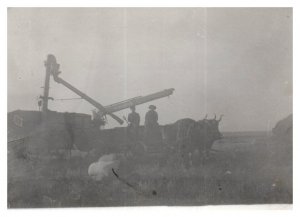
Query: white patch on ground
(103, 167)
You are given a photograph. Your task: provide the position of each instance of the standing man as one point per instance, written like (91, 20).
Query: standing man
(151, 117)
(152, 131)
(133, 124)
(40, 104)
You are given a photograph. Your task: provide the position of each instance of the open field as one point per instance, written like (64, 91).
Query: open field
(245, 168)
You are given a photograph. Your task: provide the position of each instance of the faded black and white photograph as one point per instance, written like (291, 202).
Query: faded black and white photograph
(122, 107)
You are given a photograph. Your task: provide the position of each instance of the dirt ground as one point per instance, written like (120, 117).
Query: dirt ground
(244, 168)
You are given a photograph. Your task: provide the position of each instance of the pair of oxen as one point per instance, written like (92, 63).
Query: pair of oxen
(192, 140)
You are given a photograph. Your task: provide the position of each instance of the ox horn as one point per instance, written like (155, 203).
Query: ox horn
(205, 117)
(220, 118)
(215, 116)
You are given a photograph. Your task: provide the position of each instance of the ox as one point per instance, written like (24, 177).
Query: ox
(213, 132)
(192, 139)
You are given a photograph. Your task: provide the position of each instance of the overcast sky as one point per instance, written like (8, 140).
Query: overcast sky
(236, 62)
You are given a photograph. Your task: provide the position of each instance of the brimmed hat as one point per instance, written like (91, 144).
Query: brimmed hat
(152, 107)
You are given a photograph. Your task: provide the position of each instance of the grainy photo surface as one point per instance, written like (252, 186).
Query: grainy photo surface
(149, 107)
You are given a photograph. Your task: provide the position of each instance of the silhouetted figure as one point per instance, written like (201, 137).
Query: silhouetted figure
(133, 125)
(40, 104)
(152, 131)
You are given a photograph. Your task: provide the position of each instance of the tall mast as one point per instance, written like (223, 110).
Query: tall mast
(45, 97)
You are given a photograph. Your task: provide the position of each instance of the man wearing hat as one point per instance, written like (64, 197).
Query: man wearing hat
(152, 133)
(133, 124)
(151, 117)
